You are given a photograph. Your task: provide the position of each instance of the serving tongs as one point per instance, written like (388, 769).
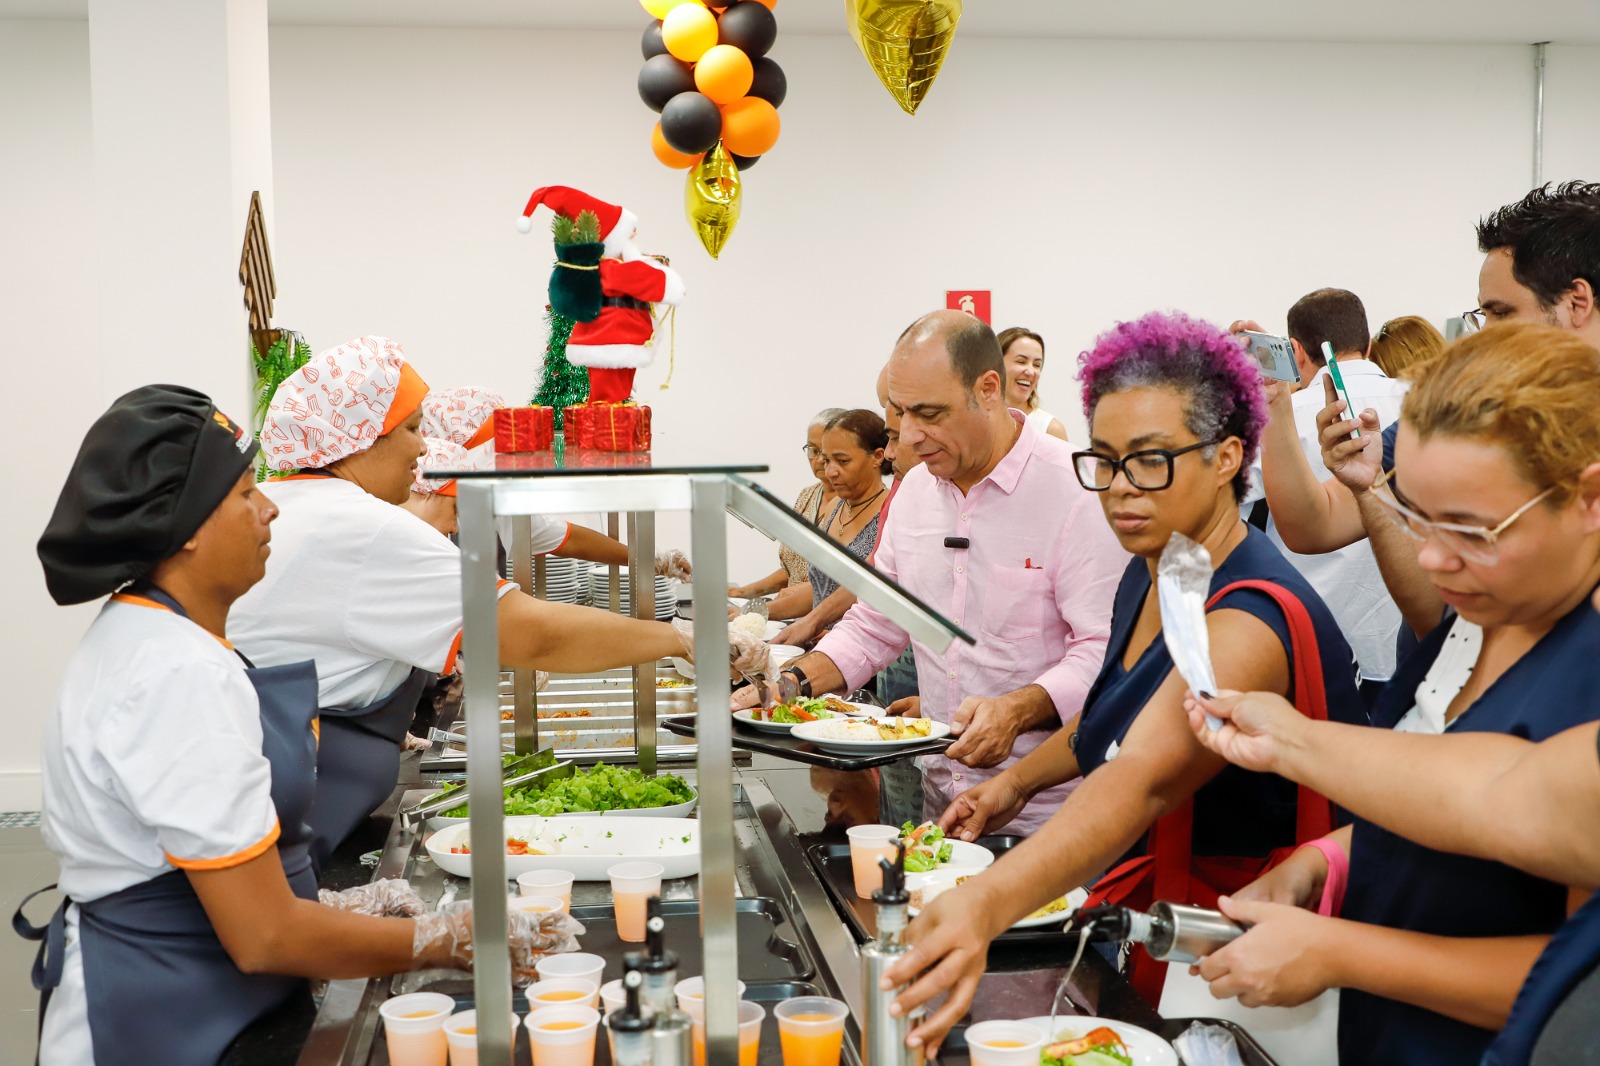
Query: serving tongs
(542, 766)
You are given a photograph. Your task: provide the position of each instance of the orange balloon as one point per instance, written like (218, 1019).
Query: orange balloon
(724, 73)
(668, 155)
(770, 4)
(749, 126)
(689, 31)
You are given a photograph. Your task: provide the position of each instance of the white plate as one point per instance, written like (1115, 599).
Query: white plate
(784, 653)
(1075, 899)
(591, 845)
(864, 743)
(761, 726)
(1144, 1047)
(676, 810)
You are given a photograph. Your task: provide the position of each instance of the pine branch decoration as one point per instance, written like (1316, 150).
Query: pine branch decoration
(561, 384)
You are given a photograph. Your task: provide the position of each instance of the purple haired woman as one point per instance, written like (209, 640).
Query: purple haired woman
(1175, 412)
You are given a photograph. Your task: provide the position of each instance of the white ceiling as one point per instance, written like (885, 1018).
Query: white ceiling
(1434, 21)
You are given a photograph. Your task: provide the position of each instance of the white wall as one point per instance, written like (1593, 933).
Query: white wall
(1082, 181)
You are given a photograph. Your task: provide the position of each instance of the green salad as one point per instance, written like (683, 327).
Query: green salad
(926, 847)
(599, 788)
(799, 710)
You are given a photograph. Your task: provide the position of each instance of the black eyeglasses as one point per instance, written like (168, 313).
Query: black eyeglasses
(1149, 470)
(1474, 319)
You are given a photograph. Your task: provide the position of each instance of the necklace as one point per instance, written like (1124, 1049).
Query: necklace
(850, 517)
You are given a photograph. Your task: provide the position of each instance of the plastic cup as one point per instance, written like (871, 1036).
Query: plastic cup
(868, 844)
(413, 1025)
(751, 1016)
(631, 884)
(811, 1029)
(613, 996)
(534, 904)
(461, 1032)
(557, 883)
(563, 992)
(562, 1036)
(578, 964)
(693, 990)
(1004, 1044)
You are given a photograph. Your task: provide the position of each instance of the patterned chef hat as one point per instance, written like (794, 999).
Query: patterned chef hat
(464, 415)
(441, 455)
(339, 403)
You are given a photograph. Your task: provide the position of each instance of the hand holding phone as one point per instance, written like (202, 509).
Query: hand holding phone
(1338, 383)
(1274, 355)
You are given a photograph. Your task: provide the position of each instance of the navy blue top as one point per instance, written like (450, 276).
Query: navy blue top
(1238, 812)
(1402, 885)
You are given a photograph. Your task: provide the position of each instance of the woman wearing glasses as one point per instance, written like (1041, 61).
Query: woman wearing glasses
(792, 569)
(1176, 413)
(1497, 477)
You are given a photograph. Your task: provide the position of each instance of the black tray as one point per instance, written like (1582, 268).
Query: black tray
(832, 863)
(785, 747)
(769, 994)
(764, 954)
(1251, 1052)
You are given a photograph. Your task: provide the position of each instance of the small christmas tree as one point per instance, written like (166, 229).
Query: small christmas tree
(560, 383)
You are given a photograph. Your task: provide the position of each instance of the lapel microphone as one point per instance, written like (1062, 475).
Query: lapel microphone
(957, 542)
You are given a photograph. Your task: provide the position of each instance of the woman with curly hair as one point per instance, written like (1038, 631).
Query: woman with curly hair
(1175, 414)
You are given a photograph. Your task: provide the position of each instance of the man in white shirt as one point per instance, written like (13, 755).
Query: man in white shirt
(1348, 580)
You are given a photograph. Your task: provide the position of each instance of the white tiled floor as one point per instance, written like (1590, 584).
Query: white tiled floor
(25, 864)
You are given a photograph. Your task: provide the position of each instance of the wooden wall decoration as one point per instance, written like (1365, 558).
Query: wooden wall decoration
(255, 273)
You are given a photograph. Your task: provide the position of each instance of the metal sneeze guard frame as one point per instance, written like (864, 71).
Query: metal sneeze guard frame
(640, 493)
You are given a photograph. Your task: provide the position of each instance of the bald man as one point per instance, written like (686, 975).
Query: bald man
(992, 530)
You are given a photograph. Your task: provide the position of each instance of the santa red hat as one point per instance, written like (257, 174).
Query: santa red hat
(617, 224)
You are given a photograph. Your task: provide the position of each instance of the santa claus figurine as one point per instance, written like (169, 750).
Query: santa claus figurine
(620, 340)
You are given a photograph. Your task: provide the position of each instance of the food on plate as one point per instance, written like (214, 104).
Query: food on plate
(506, 716)
(926, 847)
(1099, 1047)
(753, 624)
(800, 710)
(599, 788)
(1055, 906)
(673, 682)
(514, 846)
(904, 728)
(921, 897)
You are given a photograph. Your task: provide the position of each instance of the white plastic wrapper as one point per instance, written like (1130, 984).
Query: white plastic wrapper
(1183, 584)
(1207, 1045)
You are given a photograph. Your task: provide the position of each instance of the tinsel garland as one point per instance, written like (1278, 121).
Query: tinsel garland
(561, 384)
(287, 353)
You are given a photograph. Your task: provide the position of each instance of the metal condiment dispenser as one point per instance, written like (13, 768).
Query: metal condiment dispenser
(671, 1032)
(1170, 932)
(628, 1027)
(883, 1036)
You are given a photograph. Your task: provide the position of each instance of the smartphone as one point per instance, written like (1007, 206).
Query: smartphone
(1275, 356)
(1338, 384)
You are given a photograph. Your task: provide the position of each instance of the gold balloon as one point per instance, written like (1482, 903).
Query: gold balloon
(905, 41)
(712, 197)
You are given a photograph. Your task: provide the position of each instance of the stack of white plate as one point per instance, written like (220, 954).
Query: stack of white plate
(600, 592)
(564, 581)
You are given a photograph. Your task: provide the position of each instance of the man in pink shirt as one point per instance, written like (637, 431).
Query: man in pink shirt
(993, 531)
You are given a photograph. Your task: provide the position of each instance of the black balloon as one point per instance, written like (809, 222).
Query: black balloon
(663, 77)
(652, 45)
(691, 123)
(743, 162)
(770, 84)
(749, 26)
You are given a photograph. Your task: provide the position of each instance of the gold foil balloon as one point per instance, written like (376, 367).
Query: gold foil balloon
(711, 199)
(905, 41)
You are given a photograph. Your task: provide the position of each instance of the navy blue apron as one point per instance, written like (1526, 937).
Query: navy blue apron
(358, 762)
(1570, 957)
(1402, 885)
(160, 986)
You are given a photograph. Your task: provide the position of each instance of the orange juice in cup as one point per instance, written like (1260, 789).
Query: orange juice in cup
(750, 1017)
(563, 991)
(562, 1036)
(414, 1028)
(868, 844)
(557, 883)
(632, 883)
(811, 1029)
(461, 1032)
(1000, 1043)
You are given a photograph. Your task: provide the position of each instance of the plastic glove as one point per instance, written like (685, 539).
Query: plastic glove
(444, 938)
(674, 564)
(747, 655)
(541, 678)
(392, 898)
(416, 743)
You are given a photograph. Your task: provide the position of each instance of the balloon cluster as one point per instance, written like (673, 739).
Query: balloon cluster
(707, 72)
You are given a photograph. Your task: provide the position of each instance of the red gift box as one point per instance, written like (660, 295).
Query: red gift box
(524, 429)
(617, 427)
(574, 425)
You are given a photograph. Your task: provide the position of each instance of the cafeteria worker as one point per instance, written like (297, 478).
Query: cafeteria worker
(177, 777)
(372, 593)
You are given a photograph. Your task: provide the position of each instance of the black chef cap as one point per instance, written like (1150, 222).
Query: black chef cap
(150, 471)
